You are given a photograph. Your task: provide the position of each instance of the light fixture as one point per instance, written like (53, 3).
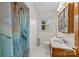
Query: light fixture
(61, 6)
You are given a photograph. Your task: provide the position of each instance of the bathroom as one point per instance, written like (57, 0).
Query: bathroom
(39, 29)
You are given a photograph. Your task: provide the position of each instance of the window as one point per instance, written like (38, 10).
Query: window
(43, 22)
(44, 25)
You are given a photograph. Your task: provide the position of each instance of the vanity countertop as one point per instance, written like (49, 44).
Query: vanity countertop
(56, 43)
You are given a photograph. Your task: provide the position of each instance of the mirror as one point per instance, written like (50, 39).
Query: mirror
(63, 21)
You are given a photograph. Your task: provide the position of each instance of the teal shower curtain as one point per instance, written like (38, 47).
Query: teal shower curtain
(24, 31)
(23, 41)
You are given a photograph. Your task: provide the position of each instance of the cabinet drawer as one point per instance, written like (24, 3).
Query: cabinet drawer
(57, 52)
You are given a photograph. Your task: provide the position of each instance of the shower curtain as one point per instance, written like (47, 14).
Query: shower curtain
(24, 31)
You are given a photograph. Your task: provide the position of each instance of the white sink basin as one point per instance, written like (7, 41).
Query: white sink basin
(58, 43)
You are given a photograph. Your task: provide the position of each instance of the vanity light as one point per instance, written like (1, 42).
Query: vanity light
(61, 6)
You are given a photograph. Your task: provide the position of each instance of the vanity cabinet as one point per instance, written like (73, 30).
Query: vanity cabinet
(59, 52)
(66, 19)
(62, 52)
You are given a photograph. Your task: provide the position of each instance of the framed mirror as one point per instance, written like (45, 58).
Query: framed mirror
(63, 21)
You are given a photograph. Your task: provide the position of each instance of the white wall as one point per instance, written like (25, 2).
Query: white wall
(33, 28)
(45, 35)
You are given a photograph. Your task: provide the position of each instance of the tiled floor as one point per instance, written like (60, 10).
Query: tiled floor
(41, 52)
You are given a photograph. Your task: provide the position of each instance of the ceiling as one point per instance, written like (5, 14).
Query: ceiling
(45, 6)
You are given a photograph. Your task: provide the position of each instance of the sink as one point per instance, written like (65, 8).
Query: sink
(58, 43)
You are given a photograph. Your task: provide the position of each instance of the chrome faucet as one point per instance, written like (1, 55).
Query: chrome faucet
(63, 40)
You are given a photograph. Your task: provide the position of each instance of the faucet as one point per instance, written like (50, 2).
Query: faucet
(59, 37)
(63, 39)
